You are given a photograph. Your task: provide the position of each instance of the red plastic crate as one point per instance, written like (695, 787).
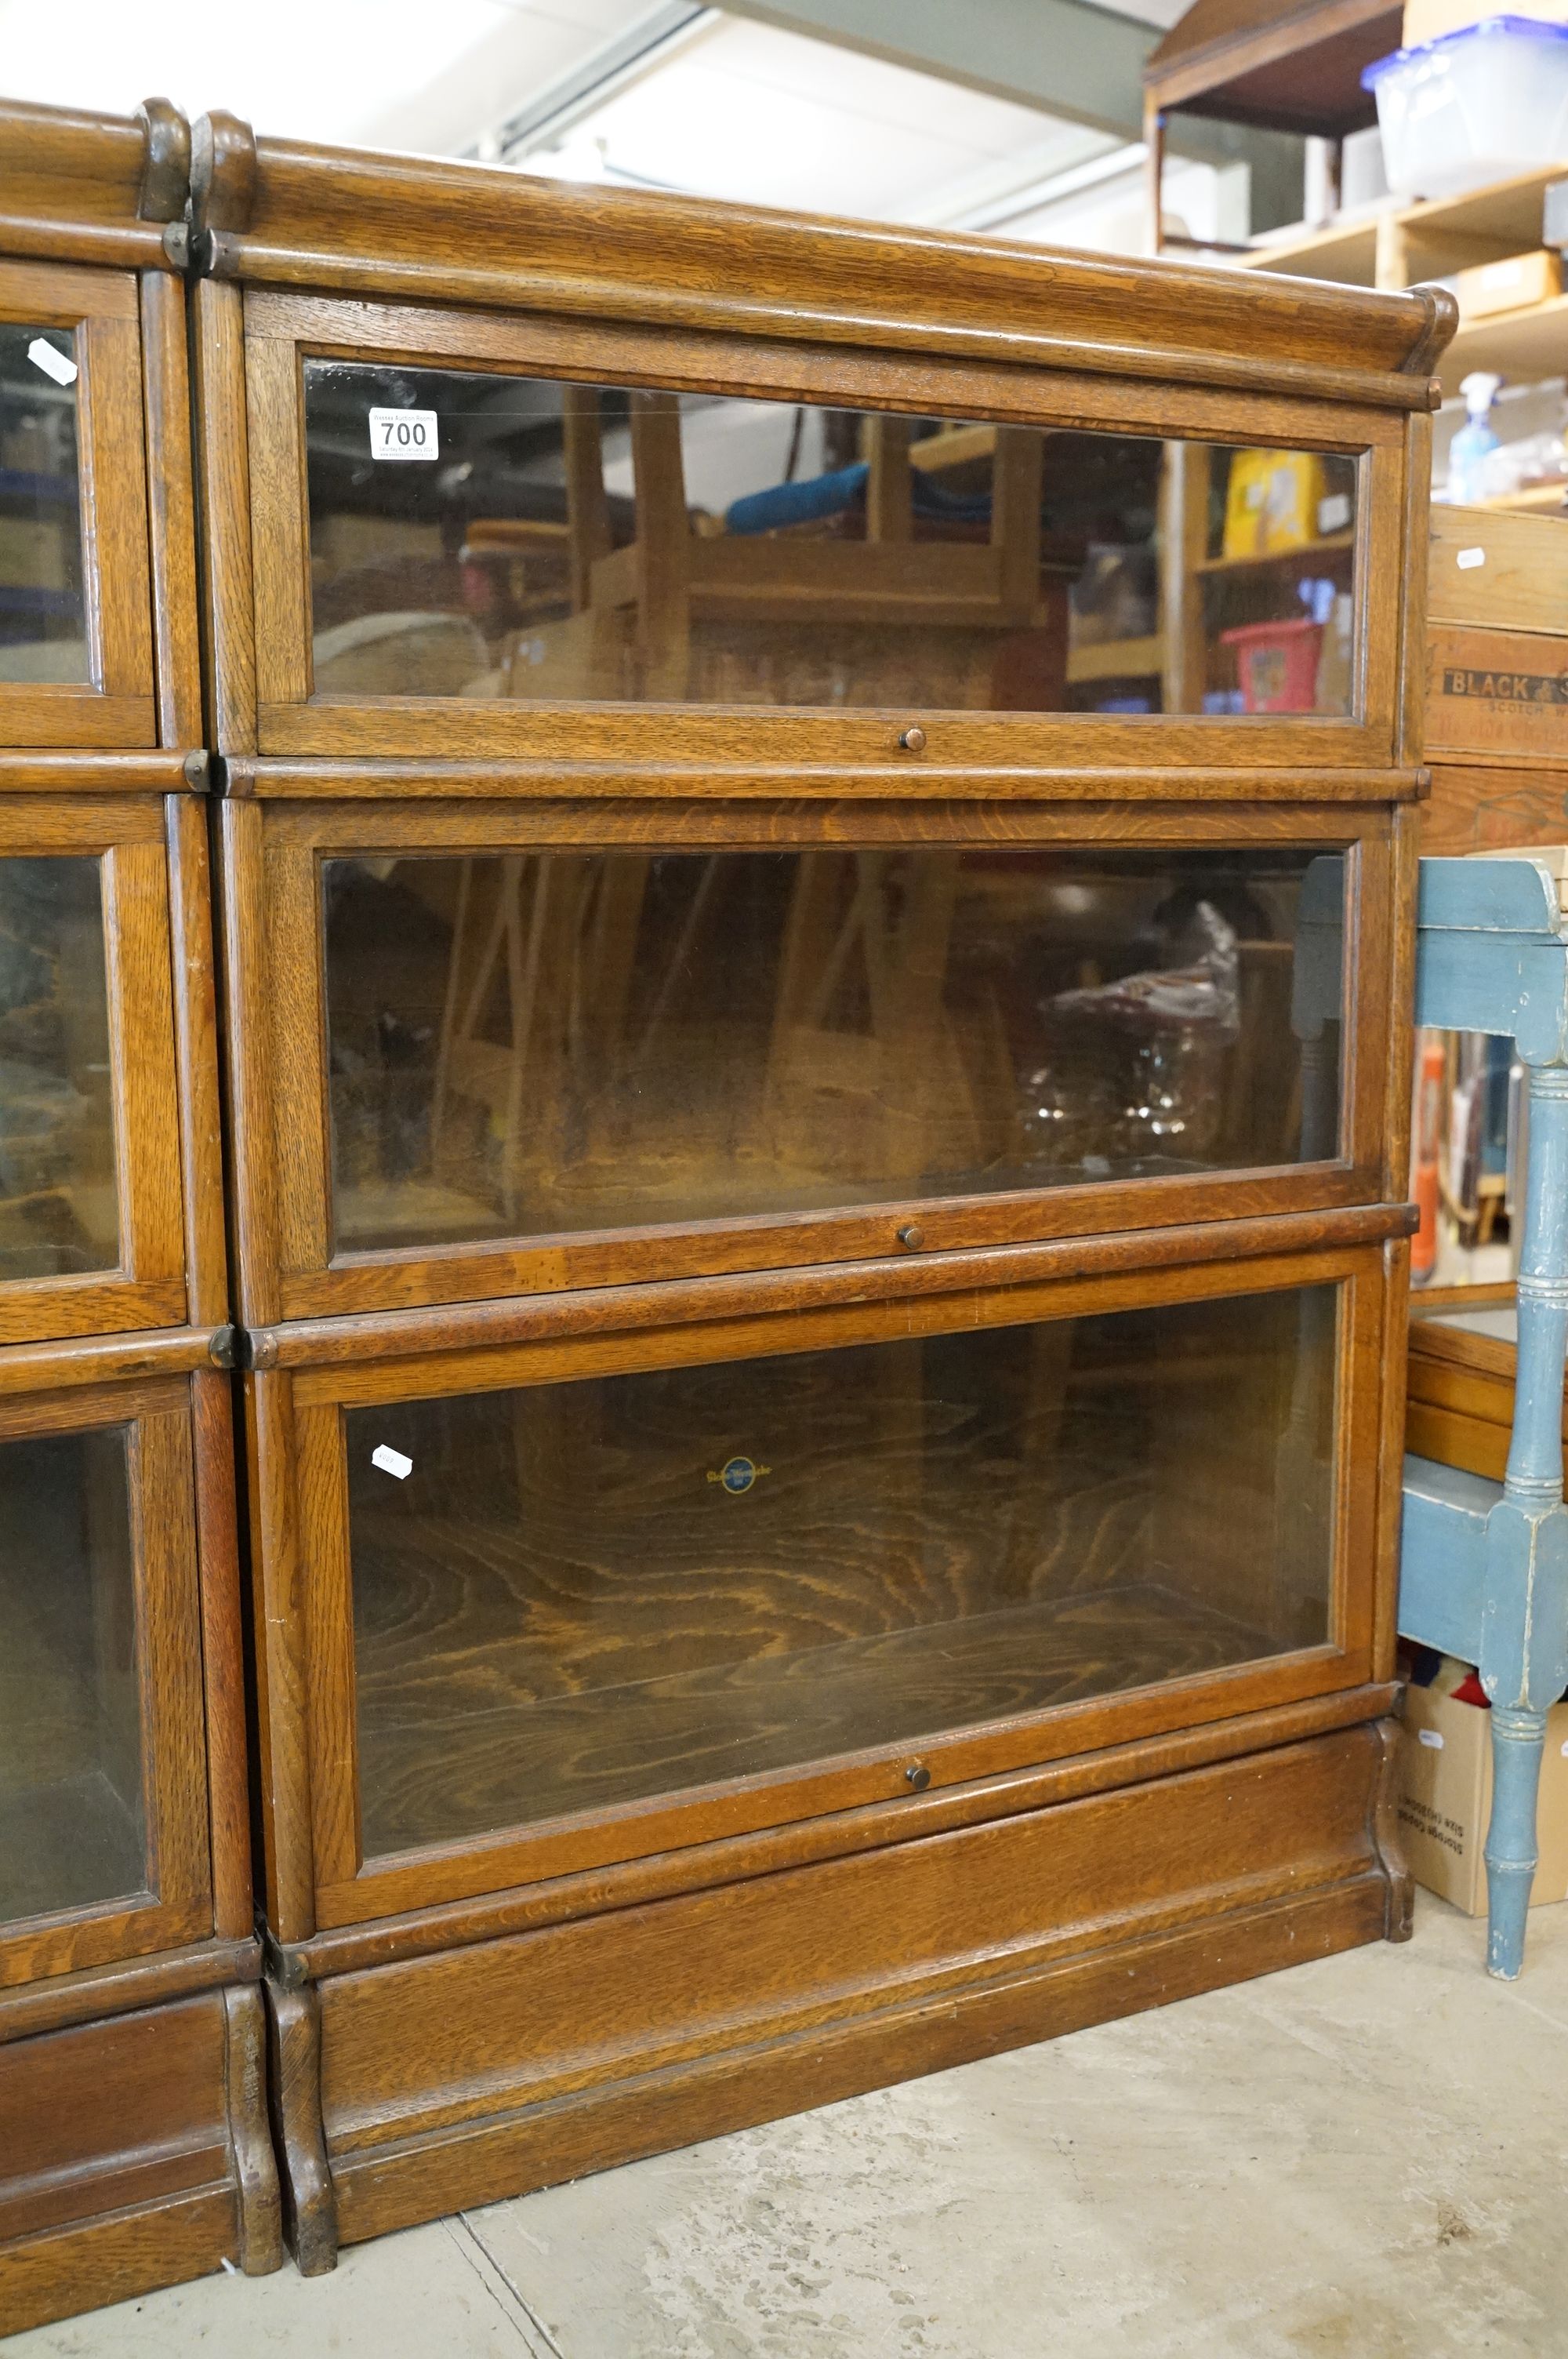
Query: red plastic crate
(1276, 664)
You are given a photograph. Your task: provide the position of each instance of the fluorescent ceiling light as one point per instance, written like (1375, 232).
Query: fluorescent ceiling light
(737, 109)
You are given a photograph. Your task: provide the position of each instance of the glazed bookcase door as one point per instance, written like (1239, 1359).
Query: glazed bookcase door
(511, 1052)
(572, 1603)
(91, 1207)
(480, 535)
(103, 1791)
(76, 661)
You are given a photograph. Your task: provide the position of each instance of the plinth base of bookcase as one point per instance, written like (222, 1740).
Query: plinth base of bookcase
(133, 2153)
(438, 2082)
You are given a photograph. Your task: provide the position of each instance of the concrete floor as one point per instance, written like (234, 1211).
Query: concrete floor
(1367, 2156)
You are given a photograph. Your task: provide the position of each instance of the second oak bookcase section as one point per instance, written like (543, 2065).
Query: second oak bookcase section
(504, 1068)
(557, 1607)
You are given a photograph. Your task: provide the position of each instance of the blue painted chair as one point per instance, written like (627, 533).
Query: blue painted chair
(1484, 1567)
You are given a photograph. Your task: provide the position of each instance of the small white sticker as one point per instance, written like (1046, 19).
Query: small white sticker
(1432, 1736)
(1334, 513)
(403, 434)
(52, 361)
(391, 1462)
(1565, 1749)
(1468, 559)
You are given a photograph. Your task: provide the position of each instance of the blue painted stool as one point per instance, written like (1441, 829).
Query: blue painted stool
(1483, 1569)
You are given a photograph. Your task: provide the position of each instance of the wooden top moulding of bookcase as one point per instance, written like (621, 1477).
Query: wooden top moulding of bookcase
(1300, 70)
(1406, 244)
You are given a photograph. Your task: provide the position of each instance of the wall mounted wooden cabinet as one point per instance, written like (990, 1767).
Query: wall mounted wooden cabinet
(134, 2147)
(816, 875)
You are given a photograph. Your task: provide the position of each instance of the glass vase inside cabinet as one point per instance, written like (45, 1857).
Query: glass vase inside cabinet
(91, 1224)
(103, 1838)
(504, 1066)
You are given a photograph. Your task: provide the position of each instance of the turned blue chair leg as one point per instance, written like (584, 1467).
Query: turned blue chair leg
(1518, 1741)
(1524, 1620)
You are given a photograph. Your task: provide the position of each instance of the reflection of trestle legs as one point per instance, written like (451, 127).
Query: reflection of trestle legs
(880, 1089)
(556, 936)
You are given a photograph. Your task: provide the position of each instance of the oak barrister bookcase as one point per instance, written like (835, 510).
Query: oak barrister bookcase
(813, 908)
(133, 2145)
(818, 1168)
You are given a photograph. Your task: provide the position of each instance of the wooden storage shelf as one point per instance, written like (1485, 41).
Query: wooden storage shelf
(1344, 252)
(1116, 659)
(1542, 499)
(1516, 344)
(1334, 544)
(1404, 245)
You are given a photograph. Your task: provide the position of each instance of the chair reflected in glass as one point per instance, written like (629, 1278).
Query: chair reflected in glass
(526, 1044)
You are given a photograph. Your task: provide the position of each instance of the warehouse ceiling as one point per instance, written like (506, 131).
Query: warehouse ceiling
(625, 89)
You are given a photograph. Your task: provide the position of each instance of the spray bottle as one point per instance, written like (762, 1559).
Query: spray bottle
(1475, 440)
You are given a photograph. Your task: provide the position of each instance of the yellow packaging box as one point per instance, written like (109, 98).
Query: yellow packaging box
(1271, 501)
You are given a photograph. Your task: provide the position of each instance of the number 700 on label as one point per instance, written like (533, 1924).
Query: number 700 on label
(403, 434)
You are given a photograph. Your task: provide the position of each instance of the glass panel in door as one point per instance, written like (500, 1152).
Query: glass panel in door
(474, 533)
(43, 621)
(575, 1596)
(74, 1828)
(527, 1045)
(59, 1191)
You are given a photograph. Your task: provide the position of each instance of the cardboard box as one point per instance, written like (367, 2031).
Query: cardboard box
(1496, 692)
(1497, 570)
(1428, 20)
(1516, 284)
(1445, 1798)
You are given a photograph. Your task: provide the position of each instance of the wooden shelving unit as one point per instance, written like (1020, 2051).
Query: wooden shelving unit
(1330, 545)
(1404, 245)
(1518, 344)
(1116, 659)
(1344, 252)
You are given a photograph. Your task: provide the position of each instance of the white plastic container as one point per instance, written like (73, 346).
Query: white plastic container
(1481, 104)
